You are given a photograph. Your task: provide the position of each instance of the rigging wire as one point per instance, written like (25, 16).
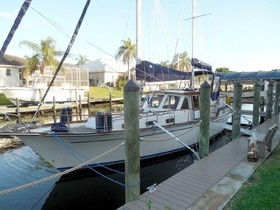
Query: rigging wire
(65, 55)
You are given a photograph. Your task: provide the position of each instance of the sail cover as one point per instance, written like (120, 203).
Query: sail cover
(151, 72)
(201, 65)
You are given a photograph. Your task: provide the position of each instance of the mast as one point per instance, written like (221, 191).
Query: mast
(138, 31)
(193, 40)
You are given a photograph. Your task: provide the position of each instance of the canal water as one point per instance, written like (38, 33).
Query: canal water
(88, 190)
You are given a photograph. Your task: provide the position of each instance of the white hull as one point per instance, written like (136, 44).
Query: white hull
(173, 110)
(33, 94)
(94, 144)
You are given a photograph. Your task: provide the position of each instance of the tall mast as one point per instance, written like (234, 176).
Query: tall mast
(193, 40)
(138, 31)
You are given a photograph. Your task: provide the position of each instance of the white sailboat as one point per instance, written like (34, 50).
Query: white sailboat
(176, 110)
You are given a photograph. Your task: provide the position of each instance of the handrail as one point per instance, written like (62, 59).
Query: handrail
(15, 115)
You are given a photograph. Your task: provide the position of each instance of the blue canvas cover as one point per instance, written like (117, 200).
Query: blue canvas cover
(254, 75)
(151, 72)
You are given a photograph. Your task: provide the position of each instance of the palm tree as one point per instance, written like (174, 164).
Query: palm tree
(44, 54)
(181, 62)
(81, 60)
(127, 51)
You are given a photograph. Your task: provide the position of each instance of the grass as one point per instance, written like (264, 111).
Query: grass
(262, 190)
(94, 92)
(103, 92)
(4, 100)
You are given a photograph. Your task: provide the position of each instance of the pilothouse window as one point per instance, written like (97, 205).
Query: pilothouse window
(155, 101)
(195, 102)
(185, 104)
(171, 102)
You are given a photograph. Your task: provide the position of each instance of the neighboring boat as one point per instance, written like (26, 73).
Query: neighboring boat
(67, 88)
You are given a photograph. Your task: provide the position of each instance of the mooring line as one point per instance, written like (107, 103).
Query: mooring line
(21, 187)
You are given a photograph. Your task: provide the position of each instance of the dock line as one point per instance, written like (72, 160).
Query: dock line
(177, 139)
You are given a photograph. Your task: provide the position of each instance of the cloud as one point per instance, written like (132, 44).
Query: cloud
(8, 15)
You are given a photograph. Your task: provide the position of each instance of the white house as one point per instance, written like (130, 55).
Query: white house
(105, 70)
(11, 71)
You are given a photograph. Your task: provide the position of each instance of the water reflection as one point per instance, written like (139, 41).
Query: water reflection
(20, 166)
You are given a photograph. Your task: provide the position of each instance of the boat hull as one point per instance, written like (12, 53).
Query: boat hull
(32, 94)
(65, 150)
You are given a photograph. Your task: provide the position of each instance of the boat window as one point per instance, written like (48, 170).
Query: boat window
(171, 102)
(185, 104)
(154, 102)
(8, 72)
(195, 101)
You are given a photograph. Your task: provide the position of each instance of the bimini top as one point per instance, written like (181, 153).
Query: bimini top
(151, 72)
(256, 75)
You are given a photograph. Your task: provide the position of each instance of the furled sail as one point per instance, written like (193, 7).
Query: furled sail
(151, 72)
(201, 65)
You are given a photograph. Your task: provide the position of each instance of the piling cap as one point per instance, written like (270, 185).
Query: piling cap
(205, 84)
(131, 86)
(238, 84)
(257, 84)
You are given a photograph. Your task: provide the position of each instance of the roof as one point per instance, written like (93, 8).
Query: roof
(11, 60)
(254, 75)
(106, 65)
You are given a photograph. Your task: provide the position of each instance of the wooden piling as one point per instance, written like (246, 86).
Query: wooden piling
(205, 91)
(88, 102)
(256, 104)
(54, 110)
(277, 95)
(269, 101)
(80, 107)
(236, 119)
(132, 145)
(17, 109)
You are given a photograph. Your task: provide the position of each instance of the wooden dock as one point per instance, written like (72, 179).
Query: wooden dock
(208, 183)
(11, 109)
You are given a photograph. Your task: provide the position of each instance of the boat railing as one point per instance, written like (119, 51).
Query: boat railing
(8, 115)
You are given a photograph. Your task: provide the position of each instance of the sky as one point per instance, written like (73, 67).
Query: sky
(242, 35)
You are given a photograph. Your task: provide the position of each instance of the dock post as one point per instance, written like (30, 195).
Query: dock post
(277, 95)
(132, 144)
(205, 91)
(256, 104)
(54, 110)
(80, 106)
(236, 119)
(17, 110)
(269, 101)
(88, 101)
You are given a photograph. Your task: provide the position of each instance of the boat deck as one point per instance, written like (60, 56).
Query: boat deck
(208, 183)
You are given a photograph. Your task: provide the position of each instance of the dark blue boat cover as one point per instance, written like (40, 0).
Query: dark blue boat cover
(253, 75)
(201, 65)
(151, 72)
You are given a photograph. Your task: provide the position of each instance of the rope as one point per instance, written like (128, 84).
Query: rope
(170, 138)
(106, 177)
(21, 187)
(73, 152)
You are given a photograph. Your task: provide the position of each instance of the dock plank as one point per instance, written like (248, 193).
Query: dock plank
(190, 187)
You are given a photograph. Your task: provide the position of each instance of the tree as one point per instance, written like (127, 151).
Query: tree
(127, 51)
(81, 60)
(166, 64)
(181, 61)
(222, 69)
(44, 54)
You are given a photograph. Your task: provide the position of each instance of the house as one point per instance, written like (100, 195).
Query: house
(11, 71)
(105, 71)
